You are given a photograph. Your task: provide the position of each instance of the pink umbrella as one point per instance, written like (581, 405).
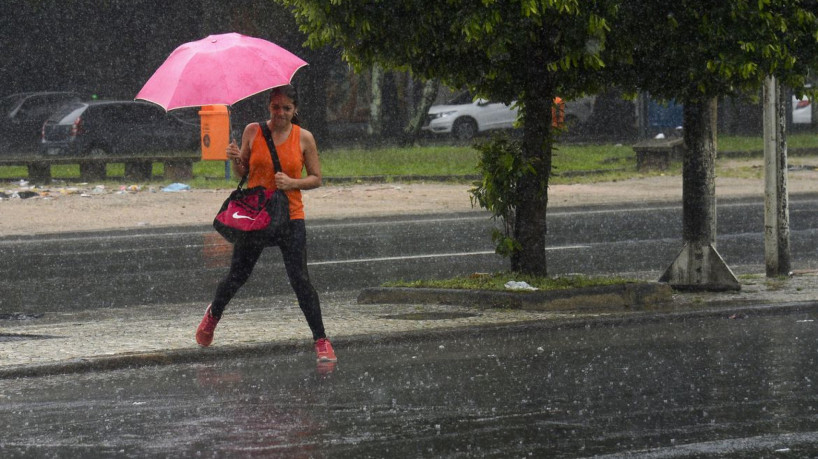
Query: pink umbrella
(219, 70)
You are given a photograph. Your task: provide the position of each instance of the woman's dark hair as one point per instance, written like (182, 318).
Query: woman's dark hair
(290, 92)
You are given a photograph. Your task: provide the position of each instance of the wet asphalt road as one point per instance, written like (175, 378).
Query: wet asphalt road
(686, 387)
(672, 388)
(174, 265)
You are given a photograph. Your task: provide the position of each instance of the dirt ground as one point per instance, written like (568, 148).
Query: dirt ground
(88, 207)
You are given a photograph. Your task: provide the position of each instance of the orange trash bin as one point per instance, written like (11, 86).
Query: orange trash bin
(215, 132)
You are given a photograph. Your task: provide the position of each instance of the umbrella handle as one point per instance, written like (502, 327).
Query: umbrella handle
(229, 123)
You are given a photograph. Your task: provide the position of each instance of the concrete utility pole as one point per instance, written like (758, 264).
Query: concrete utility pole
(776, 205)
(699, 266)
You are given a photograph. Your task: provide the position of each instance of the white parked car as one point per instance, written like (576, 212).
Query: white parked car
(464, 118)
(801, 110)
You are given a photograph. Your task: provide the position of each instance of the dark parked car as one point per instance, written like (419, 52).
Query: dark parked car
(22, 116)
(116, 128)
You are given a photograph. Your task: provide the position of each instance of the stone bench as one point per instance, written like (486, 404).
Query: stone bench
(658, 153)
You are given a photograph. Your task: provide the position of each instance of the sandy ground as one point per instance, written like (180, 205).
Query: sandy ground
(89, 208)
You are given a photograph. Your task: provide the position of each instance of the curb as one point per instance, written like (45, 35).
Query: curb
(638, 296)
(197, 355)
(140, 359)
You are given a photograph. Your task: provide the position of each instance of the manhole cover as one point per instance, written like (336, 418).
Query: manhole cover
(431, 316)
(6, 337)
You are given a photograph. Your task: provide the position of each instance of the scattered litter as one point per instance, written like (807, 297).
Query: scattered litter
(737, 316)
(176, 187)
(85, 190)
(515, 285)
(783, 450)
(659, 136)
(804, 321)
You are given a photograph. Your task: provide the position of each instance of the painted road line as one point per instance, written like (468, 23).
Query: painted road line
(431, 255)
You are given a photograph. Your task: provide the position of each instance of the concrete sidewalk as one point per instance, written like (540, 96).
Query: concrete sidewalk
(116, 338)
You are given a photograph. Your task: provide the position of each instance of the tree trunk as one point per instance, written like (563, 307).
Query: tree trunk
(393, 119)
(699, 173)
(530, 225)
(699, 266)
(427, 98)
(375, 128)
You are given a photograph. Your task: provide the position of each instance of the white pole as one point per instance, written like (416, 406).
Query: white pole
(776, 211)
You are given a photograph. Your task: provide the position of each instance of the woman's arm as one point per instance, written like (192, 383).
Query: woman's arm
(240, 156)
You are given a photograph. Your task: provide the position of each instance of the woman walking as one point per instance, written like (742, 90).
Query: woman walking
(297, 151)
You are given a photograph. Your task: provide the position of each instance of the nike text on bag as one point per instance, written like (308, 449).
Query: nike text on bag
(256, 214)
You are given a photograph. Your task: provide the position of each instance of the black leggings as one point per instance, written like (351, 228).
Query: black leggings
(294, 251)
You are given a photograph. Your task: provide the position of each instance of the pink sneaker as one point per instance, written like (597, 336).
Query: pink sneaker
(323, 349)
(204, 334)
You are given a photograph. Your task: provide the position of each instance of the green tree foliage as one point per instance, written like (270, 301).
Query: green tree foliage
(533, 50)
(694, 50)
(506, 50)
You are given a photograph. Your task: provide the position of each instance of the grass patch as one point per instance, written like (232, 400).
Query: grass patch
(572, 163)
(745, 143)
(497, 281)
(733, 143)
(742, 171)
(777, 283)
(433, 160)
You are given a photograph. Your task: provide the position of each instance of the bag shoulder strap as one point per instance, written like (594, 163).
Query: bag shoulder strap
(271, 145)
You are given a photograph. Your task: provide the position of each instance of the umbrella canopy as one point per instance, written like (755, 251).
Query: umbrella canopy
(219, 70)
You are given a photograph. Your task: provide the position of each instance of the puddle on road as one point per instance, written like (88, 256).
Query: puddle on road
(6, 337)
(431, 316)
(20, 316)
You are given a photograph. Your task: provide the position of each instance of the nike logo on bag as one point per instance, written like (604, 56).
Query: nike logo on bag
(237, 216)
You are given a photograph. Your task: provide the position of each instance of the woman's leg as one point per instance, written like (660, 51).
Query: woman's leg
(244, 260)
(294, 252)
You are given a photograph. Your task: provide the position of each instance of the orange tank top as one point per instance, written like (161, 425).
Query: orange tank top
(291, 157)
